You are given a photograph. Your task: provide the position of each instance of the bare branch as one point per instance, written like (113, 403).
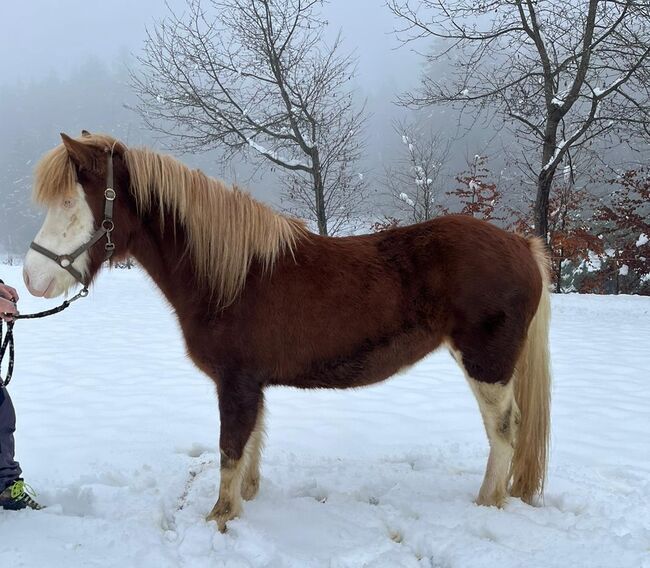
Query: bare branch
(255, 77)
(539, 65)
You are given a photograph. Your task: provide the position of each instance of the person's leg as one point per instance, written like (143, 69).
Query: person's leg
(9, 468)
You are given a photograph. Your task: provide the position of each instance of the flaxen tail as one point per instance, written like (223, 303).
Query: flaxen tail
(533, 395)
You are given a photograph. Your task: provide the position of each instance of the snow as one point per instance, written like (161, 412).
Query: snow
(594, 262)
(642, 240)
(117, 432)
(556, 153)
(623, 270)
(275, 156)
(406, 199)
(600, 91)
(559, 98)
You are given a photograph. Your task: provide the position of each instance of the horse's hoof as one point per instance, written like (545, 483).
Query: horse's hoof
(492, 501)
(250, 488)
(221, 524)
(221, 514)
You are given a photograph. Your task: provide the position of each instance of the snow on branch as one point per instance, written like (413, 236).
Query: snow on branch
(286, 162)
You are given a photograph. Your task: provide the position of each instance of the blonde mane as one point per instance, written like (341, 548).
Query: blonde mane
(226, 228)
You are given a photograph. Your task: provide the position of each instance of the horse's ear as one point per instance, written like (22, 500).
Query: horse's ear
(80, 154)
(85, 133)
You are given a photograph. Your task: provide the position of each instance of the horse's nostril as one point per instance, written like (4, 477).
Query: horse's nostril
(26, 278)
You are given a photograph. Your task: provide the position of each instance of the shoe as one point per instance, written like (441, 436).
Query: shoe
(18, 496)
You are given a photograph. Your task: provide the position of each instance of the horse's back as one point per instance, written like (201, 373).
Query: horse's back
(349, 311)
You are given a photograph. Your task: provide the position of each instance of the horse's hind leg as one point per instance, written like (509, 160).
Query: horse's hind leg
(239, 410)
(251, 484)
(501, 418)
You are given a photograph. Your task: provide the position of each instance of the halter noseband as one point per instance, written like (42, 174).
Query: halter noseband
(105, 229)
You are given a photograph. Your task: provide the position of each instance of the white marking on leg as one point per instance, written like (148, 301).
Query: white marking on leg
(498, 410)
(233, 473)
(251, 482)
(500, 417)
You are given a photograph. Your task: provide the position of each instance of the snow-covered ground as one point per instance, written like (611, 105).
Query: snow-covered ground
(118, 434)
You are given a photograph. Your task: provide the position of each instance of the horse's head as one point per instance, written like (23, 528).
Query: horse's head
(71, 181)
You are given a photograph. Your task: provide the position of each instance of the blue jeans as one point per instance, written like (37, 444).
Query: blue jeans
(9, 467)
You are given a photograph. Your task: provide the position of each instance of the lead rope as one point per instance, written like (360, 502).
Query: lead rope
(7, 337)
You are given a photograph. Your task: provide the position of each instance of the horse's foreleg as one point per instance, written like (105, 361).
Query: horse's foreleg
(239, 407)
(251, 483)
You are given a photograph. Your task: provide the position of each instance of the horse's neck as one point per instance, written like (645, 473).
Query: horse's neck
(163, 253)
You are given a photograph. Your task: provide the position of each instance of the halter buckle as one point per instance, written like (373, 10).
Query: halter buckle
(65, 261)
(109, 194)
(108, 225)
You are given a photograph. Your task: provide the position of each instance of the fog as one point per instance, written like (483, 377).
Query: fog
(65, 68)
(40, 38)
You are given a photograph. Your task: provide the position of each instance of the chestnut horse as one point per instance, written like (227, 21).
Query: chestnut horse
(263, 301)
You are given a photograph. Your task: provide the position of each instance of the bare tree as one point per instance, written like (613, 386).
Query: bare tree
(414, 181)
(256, 77)
(559, 73)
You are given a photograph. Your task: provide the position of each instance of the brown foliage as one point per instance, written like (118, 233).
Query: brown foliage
(385, 224)
(478, 197)
(625, 216)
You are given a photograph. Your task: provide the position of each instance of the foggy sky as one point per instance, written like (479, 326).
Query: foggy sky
(41, 37)
(49, 47)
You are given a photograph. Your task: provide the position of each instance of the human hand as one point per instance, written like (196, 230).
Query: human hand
(8, 299)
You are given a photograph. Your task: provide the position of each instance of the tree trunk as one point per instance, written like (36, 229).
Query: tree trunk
(558, 276)
(545, 178)
(544, 182)
(427, 202)
(319, 194)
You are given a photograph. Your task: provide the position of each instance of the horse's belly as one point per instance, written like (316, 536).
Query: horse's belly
(369, 362)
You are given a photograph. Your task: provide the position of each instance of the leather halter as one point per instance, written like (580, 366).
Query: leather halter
(65, 261)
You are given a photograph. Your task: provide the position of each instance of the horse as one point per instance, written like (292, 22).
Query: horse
(262, 301)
